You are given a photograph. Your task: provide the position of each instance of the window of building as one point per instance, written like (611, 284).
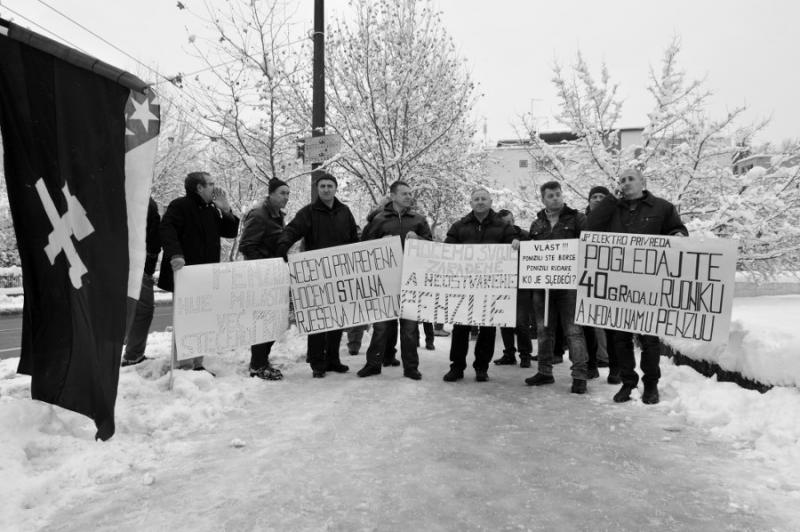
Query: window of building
(523, 163)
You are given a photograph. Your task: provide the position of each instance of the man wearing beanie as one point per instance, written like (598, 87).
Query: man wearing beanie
(637, 211)
(325, 223)
(261, 230)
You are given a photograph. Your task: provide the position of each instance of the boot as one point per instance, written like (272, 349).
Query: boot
(650, 394)
(558, 359)
(592, 373)
(453, 375)
(614, 378)
(387, 362)
(318, 374)
(429, 346)
(539, 379)
(369, 371)
(412, 374)
(337, 367)
(268, 373)
(578, 386)
(525, 360)
(481, 375)
(508, 359)
(624, 393)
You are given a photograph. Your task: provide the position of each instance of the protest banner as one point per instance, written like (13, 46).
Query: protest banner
(344, 286)
(465, 284)
(657, 285)
(548, 264)
(229, 305)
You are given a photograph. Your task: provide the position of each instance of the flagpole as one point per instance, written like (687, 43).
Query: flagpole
(546, 305)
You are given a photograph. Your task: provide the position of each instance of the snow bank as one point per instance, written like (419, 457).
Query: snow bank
(764, 342)
(12, 300)
(48, 456)
(761, 426)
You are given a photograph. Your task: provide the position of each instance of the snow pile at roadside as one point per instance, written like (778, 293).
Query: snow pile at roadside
(764, 342)
(48, 456)
(12, 302)
(761, 426)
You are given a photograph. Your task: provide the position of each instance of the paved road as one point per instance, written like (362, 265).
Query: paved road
(11, 329)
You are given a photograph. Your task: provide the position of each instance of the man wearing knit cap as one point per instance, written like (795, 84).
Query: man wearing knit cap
(325, 223)
(261, 230)
(636, 210)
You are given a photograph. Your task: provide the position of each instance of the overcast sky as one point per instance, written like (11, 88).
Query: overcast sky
(748, 51)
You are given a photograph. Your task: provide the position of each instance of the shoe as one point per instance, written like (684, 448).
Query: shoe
(614, 378)
(481, 376)
(534, 357)
(453, 375)
(440, 332)
(650, 394)
(508, 359)
(578, 386)
(201, 368)
(593, 373)
(412, 374)
(558, 359)
(429, 346)
(338, 367)
(369, 370)
(127, 362)
(602, 364)
(525, 361)
(318, 374)
(539, 379)
(268, 373)
(393, 362)
(353, 353)
(624, 393)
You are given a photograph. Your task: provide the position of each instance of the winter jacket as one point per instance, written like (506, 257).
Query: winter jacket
(649, 215)
(569, 225)
(520, 233)
(262, 227)
(192, 228)
(320, 226)
(468, 230)
(152, 238)
(387, 222)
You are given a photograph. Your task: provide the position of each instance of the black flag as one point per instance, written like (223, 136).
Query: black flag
(79, 140)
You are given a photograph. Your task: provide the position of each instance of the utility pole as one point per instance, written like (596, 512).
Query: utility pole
(318, 102)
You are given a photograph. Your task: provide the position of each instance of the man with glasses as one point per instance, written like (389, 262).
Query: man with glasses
(190, 231)
(633, 209)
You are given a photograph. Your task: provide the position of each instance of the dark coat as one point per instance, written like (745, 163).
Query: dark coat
(152, 238)
(387, 222)
(569, 225)
(262, 227)
(320, 226)
(648, 216)
(191, 228)
(468, 230)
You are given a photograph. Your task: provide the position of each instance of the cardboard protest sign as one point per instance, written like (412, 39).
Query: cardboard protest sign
(657, 285)
(343, 286)
(549, 264)
(466, 284)
(225, 306)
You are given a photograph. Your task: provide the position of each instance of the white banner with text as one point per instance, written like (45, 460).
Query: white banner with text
(549, 264)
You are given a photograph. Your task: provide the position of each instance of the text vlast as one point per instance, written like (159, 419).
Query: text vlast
(656, 285)
(346, 286)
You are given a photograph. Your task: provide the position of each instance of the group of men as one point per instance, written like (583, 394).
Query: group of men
(192, 226)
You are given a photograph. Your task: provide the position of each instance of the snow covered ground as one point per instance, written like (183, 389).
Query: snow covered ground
(388, 453)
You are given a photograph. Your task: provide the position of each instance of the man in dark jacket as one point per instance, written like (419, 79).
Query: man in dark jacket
(261, 229)
(395, 219)
(555, 222)
(636, 211)
(190, 233)
(481, 226)
(596, 337)
(323, 224)
(136, 340)
(522, 331)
